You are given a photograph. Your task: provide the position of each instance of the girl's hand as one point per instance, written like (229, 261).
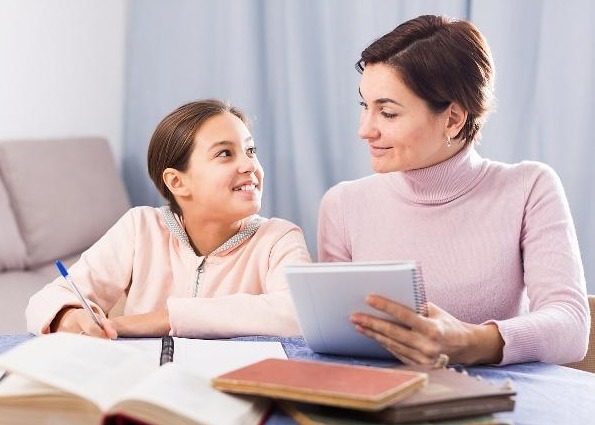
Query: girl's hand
(422, 340)
(152, 324)
(77, 320)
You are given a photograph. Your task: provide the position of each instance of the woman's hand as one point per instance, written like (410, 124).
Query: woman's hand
(421, 340)
(78, 320)
(152, 324)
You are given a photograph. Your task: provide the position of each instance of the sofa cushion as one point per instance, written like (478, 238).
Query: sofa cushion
(17, 287)
(13, 253)
(65, 194)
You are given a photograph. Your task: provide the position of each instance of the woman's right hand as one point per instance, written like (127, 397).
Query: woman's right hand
(77, 320)
(416, 339)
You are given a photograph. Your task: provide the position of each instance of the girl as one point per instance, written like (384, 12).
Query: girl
(205, 266)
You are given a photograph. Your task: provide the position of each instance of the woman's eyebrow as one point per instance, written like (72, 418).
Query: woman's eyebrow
(382, 100)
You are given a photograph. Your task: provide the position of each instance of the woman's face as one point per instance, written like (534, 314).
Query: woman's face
(401, 131)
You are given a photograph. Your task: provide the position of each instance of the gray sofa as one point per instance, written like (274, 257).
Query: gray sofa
(57, 197)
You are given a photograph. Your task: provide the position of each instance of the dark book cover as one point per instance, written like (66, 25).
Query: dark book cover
(448, 395)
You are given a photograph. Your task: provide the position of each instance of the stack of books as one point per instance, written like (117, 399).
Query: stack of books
(328, 393)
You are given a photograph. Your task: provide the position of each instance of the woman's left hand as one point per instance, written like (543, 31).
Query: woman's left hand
(422, 340)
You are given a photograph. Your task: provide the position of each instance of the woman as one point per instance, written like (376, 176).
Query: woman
(496, 242)
(206, 265)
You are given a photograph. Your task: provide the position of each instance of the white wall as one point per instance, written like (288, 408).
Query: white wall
(62, 69)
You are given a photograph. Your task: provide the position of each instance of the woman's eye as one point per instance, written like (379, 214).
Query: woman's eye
(251, 151)
(363, 104)
(224, 153)
(388, 114)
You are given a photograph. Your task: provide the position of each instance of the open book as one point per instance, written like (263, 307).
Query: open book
(76, 379)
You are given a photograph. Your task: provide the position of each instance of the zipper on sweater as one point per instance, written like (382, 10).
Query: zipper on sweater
(199, 272)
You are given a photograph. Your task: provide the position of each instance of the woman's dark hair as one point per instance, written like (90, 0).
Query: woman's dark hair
(172, 142)
(441, 60)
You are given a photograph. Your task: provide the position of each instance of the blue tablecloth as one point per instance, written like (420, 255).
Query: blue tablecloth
(546, 394)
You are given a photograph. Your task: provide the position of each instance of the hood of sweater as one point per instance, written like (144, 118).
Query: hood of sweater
(442, 182)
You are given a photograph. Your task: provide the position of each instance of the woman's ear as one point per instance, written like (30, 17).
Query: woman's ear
(174, 181)
(457, 116)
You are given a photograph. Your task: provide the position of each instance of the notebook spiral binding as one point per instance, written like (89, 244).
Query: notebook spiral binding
(419, 291)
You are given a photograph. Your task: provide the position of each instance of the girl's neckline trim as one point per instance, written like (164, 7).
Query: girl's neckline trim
(174, 225)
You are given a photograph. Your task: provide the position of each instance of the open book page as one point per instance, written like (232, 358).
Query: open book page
(19, 394)
(211, 358)
(188, 395)
(77, 377)
(20, 386)
(95, 369)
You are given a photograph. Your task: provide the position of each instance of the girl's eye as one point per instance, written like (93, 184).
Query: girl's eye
(363, 104)
(224, 153)
(251, 151)
(388, 114)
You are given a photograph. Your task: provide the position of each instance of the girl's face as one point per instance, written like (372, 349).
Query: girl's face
(224, 178)
(400, 129)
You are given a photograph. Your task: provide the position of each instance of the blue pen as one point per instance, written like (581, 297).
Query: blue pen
(76, 291)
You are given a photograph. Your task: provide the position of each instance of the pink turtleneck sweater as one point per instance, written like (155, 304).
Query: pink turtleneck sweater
(496, 243)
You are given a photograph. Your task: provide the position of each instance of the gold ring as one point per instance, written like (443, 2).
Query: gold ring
(441, 361)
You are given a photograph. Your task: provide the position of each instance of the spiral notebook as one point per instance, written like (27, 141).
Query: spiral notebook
(326, 294)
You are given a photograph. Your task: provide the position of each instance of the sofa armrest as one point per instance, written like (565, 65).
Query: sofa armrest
(65, 194)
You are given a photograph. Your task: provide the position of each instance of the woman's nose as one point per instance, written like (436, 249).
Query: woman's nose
(367, 127)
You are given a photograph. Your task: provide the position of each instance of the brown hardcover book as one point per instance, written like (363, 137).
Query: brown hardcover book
(448, 395)
(306, 416)
(356, 387)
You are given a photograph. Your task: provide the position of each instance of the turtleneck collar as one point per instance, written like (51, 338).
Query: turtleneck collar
(443, 182)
